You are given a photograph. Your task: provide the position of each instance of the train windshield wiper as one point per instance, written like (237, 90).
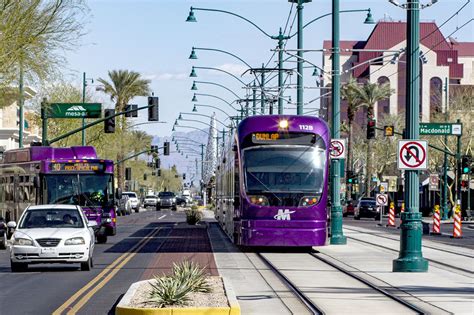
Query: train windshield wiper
(266, 187)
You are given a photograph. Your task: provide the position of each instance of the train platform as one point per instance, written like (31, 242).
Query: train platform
(346, 279)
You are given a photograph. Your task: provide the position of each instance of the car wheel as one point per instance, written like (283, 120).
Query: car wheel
(87, 265)
(137, 210)
(174, 208)
(3, 241)
(356, 217)
(101, 238)
(183, 204)
(344, 215)
(18, 267)
(377, 217)
(158, 208)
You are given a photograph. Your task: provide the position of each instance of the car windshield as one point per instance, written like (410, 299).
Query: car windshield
(51, 218)
(284, 174)
(166, 194)
(150, 197)
(79, 189)
(367, 202)
(130, 194)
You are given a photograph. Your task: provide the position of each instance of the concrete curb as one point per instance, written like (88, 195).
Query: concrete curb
(122, 307)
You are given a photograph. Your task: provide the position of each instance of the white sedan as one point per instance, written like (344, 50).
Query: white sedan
(52, 234)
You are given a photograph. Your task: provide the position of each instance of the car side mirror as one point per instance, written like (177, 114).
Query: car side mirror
(92, 224)
(118, 193)
(36, 182)
(11, 225)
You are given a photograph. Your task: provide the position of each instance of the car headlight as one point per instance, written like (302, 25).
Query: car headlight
(75, 241)
(23, 242)
(259, 200)
(308, 201)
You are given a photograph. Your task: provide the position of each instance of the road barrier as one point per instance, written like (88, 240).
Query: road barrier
(402, 209)
(457, 230)
(436, 221)
(391, 215)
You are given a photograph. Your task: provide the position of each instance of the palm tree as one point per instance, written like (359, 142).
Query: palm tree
(368, 95)
(124, 85)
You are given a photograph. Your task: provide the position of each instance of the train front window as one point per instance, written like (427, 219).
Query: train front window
(285, 175)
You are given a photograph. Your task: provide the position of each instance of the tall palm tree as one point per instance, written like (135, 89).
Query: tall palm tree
(123, 86)
(369, 94)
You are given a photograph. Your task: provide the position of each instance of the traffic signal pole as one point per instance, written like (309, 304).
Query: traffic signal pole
(410, 257)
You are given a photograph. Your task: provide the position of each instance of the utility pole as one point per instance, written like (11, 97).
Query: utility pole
(445, 160)
(21, 104)
(280, 39)
(83, 101)
(262, 95)
(458, 169)
(410, 257)
(254, 97)
(299, 80)
(337, 235)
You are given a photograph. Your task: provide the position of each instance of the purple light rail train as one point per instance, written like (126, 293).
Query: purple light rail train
(272, 183)
(48, 175)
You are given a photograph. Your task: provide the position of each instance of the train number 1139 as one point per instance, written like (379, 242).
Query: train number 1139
(306, 127)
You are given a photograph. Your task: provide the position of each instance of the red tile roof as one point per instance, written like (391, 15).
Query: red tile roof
(343, 44)
(465, 49)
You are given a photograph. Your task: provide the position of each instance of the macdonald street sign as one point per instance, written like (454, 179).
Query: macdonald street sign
(440, 129)
(74, 110)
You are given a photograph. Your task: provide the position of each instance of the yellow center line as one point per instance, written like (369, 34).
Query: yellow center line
(76, 295)
(99, 286)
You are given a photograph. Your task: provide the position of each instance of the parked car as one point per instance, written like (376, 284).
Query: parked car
(166, 199)
(52, 234)
(181, 201)
(133, 199)
(124, 205)
(367, 208)
(348, 208)
(150, 201)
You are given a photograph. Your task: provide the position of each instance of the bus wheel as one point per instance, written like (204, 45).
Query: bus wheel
(101, 238)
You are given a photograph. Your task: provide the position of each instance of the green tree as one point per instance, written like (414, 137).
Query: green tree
(123, 86)
(368, 95)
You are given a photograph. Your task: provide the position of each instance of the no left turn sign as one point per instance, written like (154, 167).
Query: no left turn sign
(382, 200)
(412, 155)
(338, 149)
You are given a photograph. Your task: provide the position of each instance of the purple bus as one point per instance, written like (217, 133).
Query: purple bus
(49, 175)
(272, 183)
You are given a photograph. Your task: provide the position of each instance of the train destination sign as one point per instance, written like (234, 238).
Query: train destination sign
(283, 138)
(77, 167)
(440, 129)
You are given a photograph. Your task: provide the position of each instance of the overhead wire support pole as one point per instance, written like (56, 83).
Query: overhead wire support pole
(299, 78)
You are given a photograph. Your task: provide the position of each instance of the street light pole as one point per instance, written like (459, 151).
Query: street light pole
(410, 256)
(83, 101)
(337, 236)
(262, 95)
(445, 160)
(21, 104)
(254, 99)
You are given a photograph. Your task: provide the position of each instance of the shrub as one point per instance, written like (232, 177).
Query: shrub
(194, 207)
(169, 291)
(190, 273)
(193, 216)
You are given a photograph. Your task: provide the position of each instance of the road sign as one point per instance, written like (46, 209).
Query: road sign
(74, 110)
(433, 184)
(440, 129)
(381, 199)
(392, 183)
(388, 131)
(383, 187)
(412, 155)
(338, 149)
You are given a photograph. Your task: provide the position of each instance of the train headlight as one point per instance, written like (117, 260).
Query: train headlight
(308, 201)
(259, 200)
(283, 124)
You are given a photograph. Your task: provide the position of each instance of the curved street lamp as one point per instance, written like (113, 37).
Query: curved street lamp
(194, 87)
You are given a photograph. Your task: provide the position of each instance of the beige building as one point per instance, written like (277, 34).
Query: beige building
(376, 60)
(10, 122)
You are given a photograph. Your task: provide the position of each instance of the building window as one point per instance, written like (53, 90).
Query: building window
(383, 107)
(436, 96)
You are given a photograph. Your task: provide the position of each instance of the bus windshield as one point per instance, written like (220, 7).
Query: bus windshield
(284, 174)
(89, 190)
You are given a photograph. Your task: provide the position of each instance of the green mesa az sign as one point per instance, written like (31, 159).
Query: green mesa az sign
(74, 110)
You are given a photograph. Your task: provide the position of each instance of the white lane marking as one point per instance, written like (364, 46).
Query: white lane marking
(164, 215)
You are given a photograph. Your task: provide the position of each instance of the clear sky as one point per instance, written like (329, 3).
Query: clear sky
(152, 37)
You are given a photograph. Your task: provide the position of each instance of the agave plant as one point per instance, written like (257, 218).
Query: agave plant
(192, 275)
(169, 291)
(193, 216)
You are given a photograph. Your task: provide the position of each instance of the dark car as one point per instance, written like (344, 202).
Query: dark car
(367, 208)
(166, 199)
(348, 208)
(181, 201)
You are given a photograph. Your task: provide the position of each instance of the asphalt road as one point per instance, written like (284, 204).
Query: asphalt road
(58, 289)
(466, 241)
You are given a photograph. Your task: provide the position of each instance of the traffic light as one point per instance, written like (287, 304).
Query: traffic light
(109, 124)
(128, 173)
(349, 177)
(466, 161)
(464, 184)
(157, 163)
(166, 148)
(184, 176)
(153, 109)
(131, 114)
(158, 172)
(154, 149)
(371, 129)
(144, 177)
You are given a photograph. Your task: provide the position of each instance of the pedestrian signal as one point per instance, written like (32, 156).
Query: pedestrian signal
(371, 129)
(109, 123)
(388, 131)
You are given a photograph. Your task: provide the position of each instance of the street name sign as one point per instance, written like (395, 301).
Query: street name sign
(74, 110)
(338, 149)
(440, 129)
(412, 155)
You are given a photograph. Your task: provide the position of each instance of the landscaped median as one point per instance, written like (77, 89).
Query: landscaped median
(127, 305)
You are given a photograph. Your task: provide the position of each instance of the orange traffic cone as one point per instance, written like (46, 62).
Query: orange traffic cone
(436, 221)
